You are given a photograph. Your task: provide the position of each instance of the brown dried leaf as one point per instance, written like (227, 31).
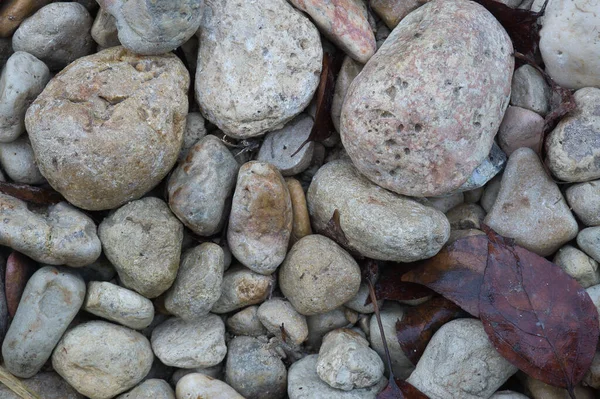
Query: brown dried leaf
(36, 195)
(400, 389)
(19, 269)
(390, 285)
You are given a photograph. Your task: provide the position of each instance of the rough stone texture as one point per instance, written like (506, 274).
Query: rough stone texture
(589, 242)
(584, 200)
(277, 312)
(530, 208)
(119, 305)
(466, 216)
(109, 127)
(194, 131)
(246, 322)
(104, 30)
(258, 66)
(201, 186)
(304, 383)
(190, 344)
(198, 283)
(60, 235)
(279, 146)
(536, 389)
(413, 127)
(446, 202)
(254, 371)
(490, 193)
(151, 27)
(460, 362)
(57, 34)
(346, 362)
(22, 80)
(150, 389)
(260, 223)
(377, 223)
(202, 386)
(490, 167)
(520, 128)
(530, 90)
(349, 70)
(18, 162)
(571, 55)
(301, 219)
(578, 265)
(101, 360)
(143, 241)
(13, 12)
(592, 377)
(48, 384)
(318, 275)
(392, 11)
(345, 23)
(573, 147)
(49, 303)
(242, 287)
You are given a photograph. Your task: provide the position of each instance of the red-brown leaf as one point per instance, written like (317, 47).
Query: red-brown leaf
(18, 270)
(400, 389)
(536, 315)
(391, 287)
(36, 195)
(420, 323)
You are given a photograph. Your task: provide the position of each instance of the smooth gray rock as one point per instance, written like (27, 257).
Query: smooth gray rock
(246, 322)
(530, 90)
(486, 170)
(194, 130)
(104, 30)
(48, 385)
(589, 242)
(18, 162)
(357, 303)
(320, 324)
(277, 314)
(466, 216)
(150, 389)
(520, 127)
(242, 287)
(584, 199)
(446, 202)
(490, 193)
(202, 386)
(578, 265)
(349, 70)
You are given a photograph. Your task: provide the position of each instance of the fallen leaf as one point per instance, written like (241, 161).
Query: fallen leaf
(391, 287)
(19, 269)
(334, 231)
(536, 315)
(400, 389)
(36, 195)
(420, 323)
(456, 272)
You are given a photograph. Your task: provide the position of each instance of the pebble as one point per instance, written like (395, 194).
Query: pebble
(571, 55)
(18, 162)
(195, 130)
(282, 148)
(242, 287)
(205, 387)
(254, 371)
(23, 78)
(150, 389)
(592, 377)
(198, 283)
(251, 86)
(119, 305)
(320, 324)
(530, 207)
(589, 241)
(536, 389)
(139, 106)
(530, 90)
(143, 241)
(345, 23)
(318, 275)
(348, 71)
(278, 314)
(246, 322)
(48, 384)
(215, 372)
(102, 360)
(100, 270)
(392, 11)
(151, 28)
(446, 202)
(358, 302)
(508, 395)
(305, 383)
(190, 344)
(473, 196)
(377, 223)
(300, 219)
(584, 200)
(490, 193)
(51, 299)
(520, 128)
(260, 223)
(18, 271)
(104, 30)
(573, 147)
(594, 293)
(57, 34)
(460, 362)
(412, 127)
(62, 235)
(201, 187)
(490, 167)
(346, 362)
(578, 265)
(466, 216)
(13, 12)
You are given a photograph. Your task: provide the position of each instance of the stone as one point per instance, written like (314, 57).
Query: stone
(101, 360)
(318, 275)
(260, 223)
(473, 196)
(578, 265)
(150, 389)
(571, 55)
(104, 30)
(466, 216)
(358, 302)
(490, 193)
(48, 384)
(348, 71)
(57, 34)
(18, 162)
(251, 86)
(194, 131)
(573, 147)
(377, 223)
(282, 148)
(320, 324)
(200, 188)
(520, 128)
(23, 78)
(119, 305)
(254, 371)
(589, 242)
(246, 322)
(392, 11)
(530, 90)
(305, 383)
(594, 293)
(412, 127)
(100, 270)
(584, 200)
(61, 235)
(300, 218)
(13, 12)
(215, 372)
(190, 344)
(18, 270)
(346, 362)
(151, 28)
(508, 395)
(592, 377)
(132, 141)
(460, 362)
(530, 207)
(242, 287)
(446, 202)
(536, 389)
(51, 299)
(278, 314)
(458, 234)
(198, 283)
(490, 167)
(202, 386)
(143, 241)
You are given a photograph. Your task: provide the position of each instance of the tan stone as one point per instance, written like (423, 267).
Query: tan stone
(301, 218)
(349, 70)
(13, 12)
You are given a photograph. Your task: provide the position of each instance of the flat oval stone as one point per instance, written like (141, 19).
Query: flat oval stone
(416, 128)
